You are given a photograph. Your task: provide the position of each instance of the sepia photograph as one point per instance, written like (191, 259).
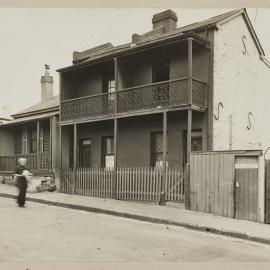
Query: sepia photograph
(134, 134)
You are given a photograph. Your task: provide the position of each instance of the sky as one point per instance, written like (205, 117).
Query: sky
(31, 38)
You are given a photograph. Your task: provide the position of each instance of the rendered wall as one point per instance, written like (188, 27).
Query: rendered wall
(242, 84)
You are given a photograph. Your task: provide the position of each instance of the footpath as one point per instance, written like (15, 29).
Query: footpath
(169, 215)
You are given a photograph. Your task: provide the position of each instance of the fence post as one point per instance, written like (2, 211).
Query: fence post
(187, 186)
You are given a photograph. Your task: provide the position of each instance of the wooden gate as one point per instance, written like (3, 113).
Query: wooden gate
(246, 188)
(225, 184)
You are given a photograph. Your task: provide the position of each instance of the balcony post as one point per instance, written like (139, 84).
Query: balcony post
(74, 156)
(164, 159)
(115, 137)
(60, 97)
(60, 161)
(187, 169)
(50, 156)
(38, 146)
(116, 83)
(190, 60)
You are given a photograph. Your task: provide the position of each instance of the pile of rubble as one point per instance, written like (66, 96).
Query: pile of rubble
(39, 184)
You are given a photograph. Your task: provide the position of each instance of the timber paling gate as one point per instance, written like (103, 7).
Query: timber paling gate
(136, 184)
(224, 184)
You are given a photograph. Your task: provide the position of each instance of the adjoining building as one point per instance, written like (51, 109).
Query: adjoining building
(33, 133)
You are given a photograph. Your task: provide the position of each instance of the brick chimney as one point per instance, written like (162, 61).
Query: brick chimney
(166, 19)
(46, 85)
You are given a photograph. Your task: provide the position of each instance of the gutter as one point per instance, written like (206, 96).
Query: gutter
(52, 109)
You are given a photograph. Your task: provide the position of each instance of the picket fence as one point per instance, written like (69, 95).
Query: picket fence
(135, 184)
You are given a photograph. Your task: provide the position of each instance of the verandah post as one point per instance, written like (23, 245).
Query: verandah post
(50, 156)
(189, 126)
(38, 148)
(60, 133)
(164, 160)
(115, 129)
(74, 156)
(60, 161)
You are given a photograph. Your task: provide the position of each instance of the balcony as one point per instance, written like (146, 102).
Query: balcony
(156, 96)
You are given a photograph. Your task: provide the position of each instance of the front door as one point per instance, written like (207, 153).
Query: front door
(109, 89)
(85, 153)
(246, 188)
(161, 73)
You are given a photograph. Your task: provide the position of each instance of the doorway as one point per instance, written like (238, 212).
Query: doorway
(85, 153)
(246, 188)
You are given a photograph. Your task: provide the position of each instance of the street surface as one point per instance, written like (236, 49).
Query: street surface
(41, 233)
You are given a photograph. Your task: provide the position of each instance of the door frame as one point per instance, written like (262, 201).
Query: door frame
(79, 150)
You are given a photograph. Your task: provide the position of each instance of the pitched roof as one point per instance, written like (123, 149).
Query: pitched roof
(28, 118)
(196, 27)
(49, 105)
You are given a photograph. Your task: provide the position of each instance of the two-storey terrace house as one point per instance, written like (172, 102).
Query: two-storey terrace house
(33, 133)
(153, 101)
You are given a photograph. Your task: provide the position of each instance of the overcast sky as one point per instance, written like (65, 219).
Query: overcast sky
(31, 38)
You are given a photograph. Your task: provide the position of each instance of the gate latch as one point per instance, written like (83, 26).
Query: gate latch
(237, 184)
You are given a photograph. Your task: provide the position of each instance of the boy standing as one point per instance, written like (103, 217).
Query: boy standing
(21, 181)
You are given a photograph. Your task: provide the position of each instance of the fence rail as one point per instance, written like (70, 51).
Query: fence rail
(135, 184)
(35, 162)
(139, 98)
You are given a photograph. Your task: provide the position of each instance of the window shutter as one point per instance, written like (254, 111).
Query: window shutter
(24, 140)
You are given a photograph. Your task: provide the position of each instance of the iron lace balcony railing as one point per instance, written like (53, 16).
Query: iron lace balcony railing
(145, 97)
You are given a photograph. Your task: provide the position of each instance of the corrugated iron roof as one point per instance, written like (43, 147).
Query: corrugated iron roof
(51, 104)
(28, 119)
